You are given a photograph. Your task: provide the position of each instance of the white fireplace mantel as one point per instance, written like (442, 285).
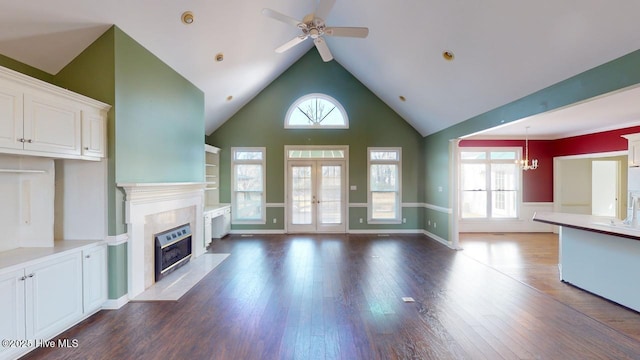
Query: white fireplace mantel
(144, 199)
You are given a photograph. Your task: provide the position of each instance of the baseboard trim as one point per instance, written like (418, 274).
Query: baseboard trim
(257, 232)
(115, 304)
(438, 239)
(385, 231)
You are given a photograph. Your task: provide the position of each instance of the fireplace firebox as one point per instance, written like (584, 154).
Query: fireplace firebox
(172, 250)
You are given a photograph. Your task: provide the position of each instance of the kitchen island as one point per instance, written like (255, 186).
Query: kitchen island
(598, 255)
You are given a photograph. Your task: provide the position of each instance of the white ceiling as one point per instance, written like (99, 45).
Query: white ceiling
(503, 49)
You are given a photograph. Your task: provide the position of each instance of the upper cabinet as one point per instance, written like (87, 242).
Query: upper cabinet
(37, 118)
(634, 149)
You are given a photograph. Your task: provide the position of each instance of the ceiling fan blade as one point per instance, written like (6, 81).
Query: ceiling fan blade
(324, 7)
(280, 16)
(359, 32)
(323, 49)
(291, 43)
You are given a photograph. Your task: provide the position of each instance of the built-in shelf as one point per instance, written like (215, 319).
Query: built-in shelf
(21, 171)
(211, 174)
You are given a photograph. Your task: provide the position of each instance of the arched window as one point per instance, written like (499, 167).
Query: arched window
(316, 111)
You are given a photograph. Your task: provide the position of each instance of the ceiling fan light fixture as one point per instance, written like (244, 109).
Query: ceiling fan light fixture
(187, 18)
(448, 55)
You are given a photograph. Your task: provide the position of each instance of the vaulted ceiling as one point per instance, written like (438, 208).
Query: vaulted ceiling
(503, 49)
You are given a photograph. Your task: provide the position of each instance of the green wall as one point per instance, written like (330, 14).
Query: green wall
(25, 69)
(159, 130)
(371, 123)
(614, 75)
(155, 128)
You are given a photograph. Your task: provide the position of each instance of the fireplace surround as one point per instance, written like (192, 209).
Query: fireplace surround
(151, 208)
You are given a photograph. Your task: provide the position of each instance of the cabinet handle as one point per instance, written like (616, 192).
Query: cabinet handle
(29, 141)
(86, 148)
(87, 256)
(22, 278)
(21, 140)
(31, 275)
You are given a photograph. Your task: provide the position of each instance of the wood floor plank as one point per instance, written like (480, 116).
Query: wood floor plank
(338, 297)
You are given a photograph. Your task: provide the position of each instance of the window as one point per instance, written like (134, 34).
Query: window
(316, 111)
(384, 195)
(489, 183)
(248, 184)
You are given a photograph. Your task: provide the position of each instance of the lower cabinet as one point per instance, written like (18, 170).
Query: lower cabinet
(53, 295)
(94, 278)
(12, 311)
(45, 298)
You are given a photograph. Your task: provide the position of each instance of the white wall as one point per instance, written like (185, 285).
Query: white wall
(522, 224)
(26, 202)
(81, 200)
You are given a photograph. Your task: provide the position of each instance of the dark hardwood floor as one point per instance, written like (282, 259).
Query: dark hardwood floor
(339, 297)
(532, 258)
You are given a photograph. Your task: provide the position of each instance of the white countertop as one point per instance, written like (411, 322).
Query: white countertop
(215, 207)
(598, 224)
(24, 256)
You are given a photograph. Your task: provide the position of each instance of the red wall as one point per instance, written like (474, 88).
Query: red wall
(538, 184)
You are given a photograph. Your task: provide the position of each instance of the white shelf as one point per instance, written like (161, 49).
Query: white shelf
(20, 171)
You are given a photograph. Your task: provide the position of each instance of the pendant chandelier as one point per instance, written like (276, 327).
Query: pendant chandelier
(524, 163)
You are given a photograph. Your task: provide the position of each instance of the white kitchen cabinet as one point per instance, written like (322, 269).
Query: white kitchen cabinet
(10, 116)
(37, 118)
(94, 133)
(53, 295)
(634, 149)
(94, 278)
(51, 124)
(42, 291)
(12, 309)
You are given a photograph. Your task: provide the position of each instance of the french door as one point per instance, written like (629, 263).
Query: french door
(316, 196)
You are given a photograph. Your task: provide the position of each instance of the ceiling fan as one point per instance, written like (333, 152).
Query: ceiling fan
(313, 26)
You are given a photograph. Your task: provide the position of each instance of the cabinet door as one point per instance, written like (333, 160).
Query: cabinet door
(94, 132)
(12, 325)
(53, 295)
(10, 117)
(94, 278)
(634, 153)
(51, 124)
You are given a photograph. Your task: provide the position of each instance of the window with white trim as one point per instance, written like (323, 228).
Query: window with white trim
(248, 200)
(316, 111)
(384, 167)
(489, 183)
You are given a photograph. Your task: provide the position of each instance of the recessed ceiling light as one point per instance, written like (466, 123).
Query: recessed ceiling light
(402, 98)
(219, 57)
(187, 18)
(229, 98)
(447, 55)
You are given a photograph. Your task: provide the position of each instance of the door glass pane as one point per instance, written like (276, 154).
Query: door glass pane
(301, 195)
(330, 195)
(383, 205)
(474, 204)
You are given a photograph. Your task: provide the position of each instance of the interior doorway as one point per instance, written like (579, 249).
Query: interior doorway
(316, 179)
(605, 192)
